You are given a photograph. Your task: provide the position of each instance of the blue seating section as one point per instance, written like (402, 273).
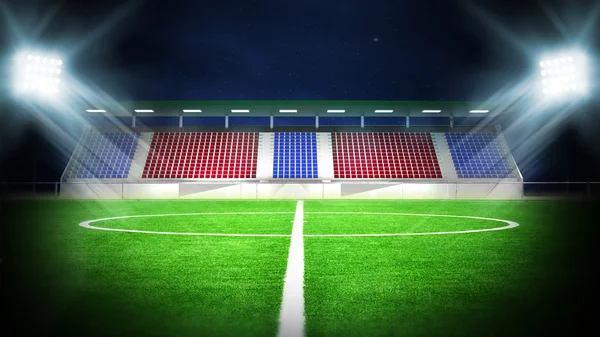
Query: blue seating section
(104, 155)
(478, 155)
(295, 155)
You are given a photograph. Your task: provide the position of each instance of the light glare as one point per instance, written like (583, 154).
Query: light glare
(35, 72)
(563, 74)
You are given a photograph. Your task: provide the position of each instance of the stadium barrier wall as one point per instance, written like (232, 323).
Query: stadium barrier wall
(92, 191)
(252, 190)
(531, 190)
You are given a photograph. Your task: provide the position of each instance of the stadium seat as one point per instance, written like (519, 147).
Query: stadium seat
(478, 155)
(202, 155)
(104, 156)
(388, 155)
(295, 155)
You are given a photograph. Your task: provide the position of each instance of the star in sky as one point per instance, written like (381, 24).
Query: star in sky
(375, 39)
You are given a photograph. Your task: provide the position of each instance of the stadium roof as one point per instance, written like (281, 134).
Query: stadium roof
(297, 108)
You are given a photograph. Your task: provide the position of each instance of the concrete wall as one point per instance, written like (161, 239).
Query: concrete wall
(325, 155)
(264, 162)
(91, 191)
(489, 191)
(253, 190)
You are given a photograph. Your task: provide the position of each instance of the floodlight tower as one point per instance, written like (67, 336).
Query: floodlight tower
(564, 75)
(36, 74)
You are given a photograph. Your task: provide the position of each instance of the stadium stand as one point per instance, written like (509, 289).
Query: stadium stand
(384, 155)
(104, 155)
(202, 155)
(478, 155)
(295, 155)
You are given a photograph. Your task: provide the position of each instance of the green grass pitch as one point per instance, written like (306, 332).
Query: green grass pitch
(84, 282)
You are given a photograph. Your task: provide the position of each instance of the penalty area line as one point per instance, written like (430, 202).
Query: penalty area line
(291, 319)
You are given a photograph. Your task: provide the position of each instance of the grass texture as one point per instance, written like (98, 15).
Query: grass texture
(71, 280)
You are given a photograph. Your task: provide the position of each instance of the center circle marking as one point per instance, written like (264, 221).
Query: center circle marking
(509, 224)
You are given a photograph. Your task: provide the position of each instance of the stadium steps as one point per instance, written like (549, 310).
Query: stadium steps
(141, 154)
(480, 156)
(325, 155)
(295, 155)
(384, 155)
(264, 165)
(105, 156)
(202, 155)
(444, 158)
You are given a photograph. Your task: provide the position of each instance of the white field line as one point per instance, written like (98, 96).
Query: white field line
(87, 224)
(509, 224)
(291, 319)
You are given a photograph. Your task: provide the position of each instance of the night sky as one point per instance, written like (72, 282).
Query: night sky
(310, 49)
(437, 50)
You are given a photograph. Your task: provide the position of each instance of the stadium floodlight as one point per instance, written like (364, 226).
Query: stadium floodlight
(479, 111)
(95, 110)
(431, 111)
(192, 110)
(564, 74)
(384, 111)
(288, 111)
(240, 111)
(35, 74)
(336, 111)
(143, 111)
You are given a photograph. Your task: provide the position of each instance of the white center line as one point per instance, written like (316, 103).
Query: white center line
(291, 320)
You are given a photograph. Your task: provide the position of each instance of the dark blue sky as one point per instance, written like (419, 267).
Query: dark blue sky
(310, 49)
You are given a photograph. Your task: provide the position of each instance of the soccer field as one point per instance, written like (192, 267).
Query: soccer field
(162, 275)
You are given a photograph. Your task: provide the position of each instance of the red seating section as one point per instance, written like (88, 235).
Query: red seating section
(202, 155)
(384, 155)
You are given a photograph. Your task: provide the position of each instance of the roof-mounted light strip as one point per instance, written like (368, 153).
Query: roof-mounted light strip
(95, 110)
(431, 111)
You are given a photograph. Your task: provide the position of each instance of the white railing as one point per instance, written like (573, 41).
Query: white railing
(85, 132)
